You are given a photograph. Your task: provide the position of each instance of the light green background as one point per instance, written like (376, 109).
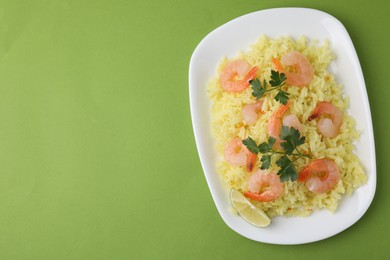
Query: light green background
(97, 154)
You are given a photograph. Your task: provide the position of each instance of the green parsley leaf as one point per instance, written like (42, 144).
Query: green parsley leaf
(292, 139)
(287, 170)
(258, 89)
(277, 79)
(282, 97)
(264, 147)
(265, 161)
(251, 145)
(271, 141)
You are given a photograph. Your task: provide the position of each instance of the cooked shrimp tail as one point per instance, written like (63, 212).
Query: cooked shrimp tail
(275, 123)
(251, 74)
(277, 65)
(250, 161)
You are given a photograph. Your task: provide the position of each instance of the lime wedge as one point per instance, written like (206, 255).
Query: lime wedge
(247, 210)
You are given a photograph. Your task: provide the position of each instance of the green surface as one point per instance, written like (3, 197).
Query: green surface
(97, 154)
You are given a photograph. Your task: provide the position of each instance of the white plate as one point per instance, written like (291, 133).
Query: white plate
(239, 34)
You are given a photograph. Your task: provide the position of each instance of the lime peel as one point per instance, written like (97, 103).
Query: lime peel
(247, 210)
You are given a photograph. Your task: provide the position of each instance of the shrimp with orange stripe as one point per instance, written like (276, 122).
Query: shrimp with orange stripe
(296, 67)
(237, 154)
(236, 75)
(277, 119)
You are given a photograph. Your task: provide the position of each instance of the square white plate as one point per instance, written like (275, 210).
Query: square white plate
(238, 35)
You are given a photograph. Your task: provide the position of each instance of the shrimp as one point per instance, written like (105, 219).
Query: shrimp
(329, 125)
(301, 72)
(250, 161)
(236, 75)
(278, 66)
(264, 187)
(275, 123)
(237, 154)
(320, 175)
(250, 112)
(292, 120)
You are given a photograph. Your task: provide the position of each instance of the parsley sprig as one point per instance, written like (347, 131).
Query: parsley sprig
(291, 139)
(277, 81)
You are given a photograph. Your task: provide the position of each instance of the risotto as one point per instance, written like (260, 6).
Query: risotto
(325, 157)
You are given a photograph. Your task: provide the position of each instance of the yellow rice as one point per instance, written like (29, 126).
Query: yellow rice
(227, 122)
